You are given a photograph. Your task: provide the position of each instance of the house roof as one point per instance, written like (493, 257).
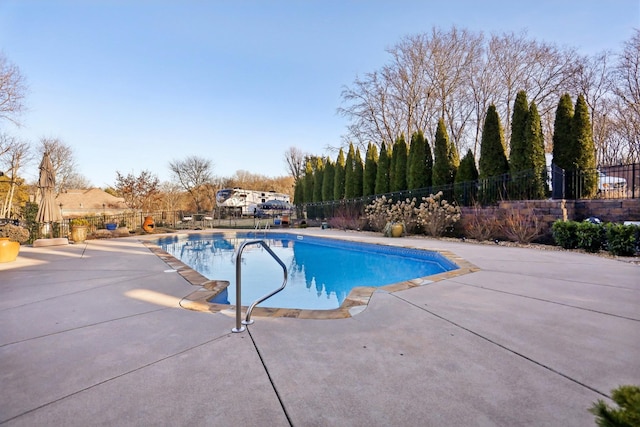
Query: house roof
(93, 198)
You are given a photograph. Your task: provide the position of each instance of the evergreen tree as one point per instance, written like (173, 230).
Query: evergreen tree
(582, 139)
(493, 157)
(443, 167)
(454, 159)
(349, 171)
(370, 171)
(318, 177)
(466, 180)
(535, 160)
(338, 180)
(428, 160)
(417, 174)
(519, 155)
(564, 154)
(308, 181)
(399, 156)
(382, 173)
(358, 175)
(327, 180)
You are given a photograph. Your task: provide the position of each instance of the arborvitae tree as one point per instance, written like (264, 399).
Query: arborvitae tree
(358, 174)
(443, 167)
(370, 170)
(338, 181)
(399, 156)
(428, 160)
(327, 180)
(417, 173)
(564, 153)
(534, 151)
(308, 181)
(583, 140)
(318, 177)
(454, 158)
(519, 154)
(466, 180)
(382, 173)
(349, 170)
(493, 157)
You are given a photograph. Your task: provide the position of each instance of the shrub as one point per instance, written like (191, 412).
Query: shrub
(377, 212)
(565, 234)
(80, 222)
(621, 239)
(15, 233)
(436, 216)
(627, 397)
(521, 226)
(346, 218)
(480, 225)
(589, 236)
(404, 212)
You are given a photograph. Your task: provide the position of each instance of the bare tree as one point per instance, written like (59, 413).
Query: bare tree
(192, 174)
(594, 81)
(294, 158)
(78, 181)
(12, 91)
(140, 191)
(455, 75)
(171, 196)
(15, 154)
(627, 92)
(64, 165)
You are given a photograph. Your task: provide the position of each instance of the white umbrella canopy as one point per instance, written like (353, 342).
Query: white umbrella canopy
(47, 210)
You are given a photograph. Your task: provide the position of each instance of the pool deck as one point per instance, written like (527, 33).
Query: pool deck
(96, 334)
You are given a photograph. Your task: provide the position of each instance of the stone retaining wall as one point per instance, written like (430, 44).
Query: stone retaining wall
(548, 211)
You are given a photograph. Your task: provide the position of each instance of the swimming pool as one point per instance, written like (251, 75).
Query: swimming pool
(322, 272)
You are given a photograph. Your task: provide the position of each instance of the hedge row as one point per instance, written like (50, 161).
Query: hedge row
(618, 239)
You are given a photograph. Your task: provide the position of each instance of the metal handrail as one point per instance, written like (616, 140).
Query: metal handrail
(248, 321)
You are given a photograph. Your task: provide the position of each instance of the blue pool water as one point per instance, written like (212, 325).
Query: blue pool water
(322, 271)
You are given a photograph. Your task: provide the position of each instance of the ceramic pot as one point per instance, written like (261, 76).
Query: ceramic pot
(78, 233)
(8, 250)
(396, 230)
(148, 224)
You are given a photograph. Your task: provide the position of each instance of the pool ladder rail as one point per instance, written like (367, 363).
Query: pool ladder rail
(257, 228)
(247, 320)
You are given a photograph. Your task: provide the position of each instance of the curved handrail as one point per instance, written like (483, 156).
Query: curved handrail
(248, 321)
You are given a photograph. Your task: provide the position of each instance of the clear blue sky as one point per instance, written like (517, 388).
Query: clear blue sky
(131, 85)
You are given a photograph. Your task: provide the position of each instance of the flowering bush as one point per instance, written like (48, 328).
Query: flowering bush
(404, 212)
(378, 213)
(14, 233)
(436, 215)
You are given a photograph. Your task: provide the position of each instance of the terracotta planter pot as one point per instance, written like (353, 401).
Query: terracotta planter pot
(8, 250)
(78, 233)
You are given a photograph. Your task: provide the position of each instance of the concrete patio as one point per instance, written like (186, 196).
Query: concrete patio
(94, 334)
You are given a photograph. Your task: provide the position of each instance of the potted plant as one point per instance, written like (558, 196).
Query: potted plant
(11, 236)
(79, 227)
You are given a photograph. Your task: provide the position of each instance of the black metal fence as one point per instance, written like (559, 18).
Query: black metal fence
(613, 182)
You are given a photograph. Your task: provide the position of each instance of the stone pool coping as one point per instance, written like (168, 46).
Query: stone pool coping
(354, 303)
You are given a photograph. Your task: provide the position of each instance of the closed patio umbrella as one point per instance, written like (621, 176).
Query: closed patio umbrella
(47, 211)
